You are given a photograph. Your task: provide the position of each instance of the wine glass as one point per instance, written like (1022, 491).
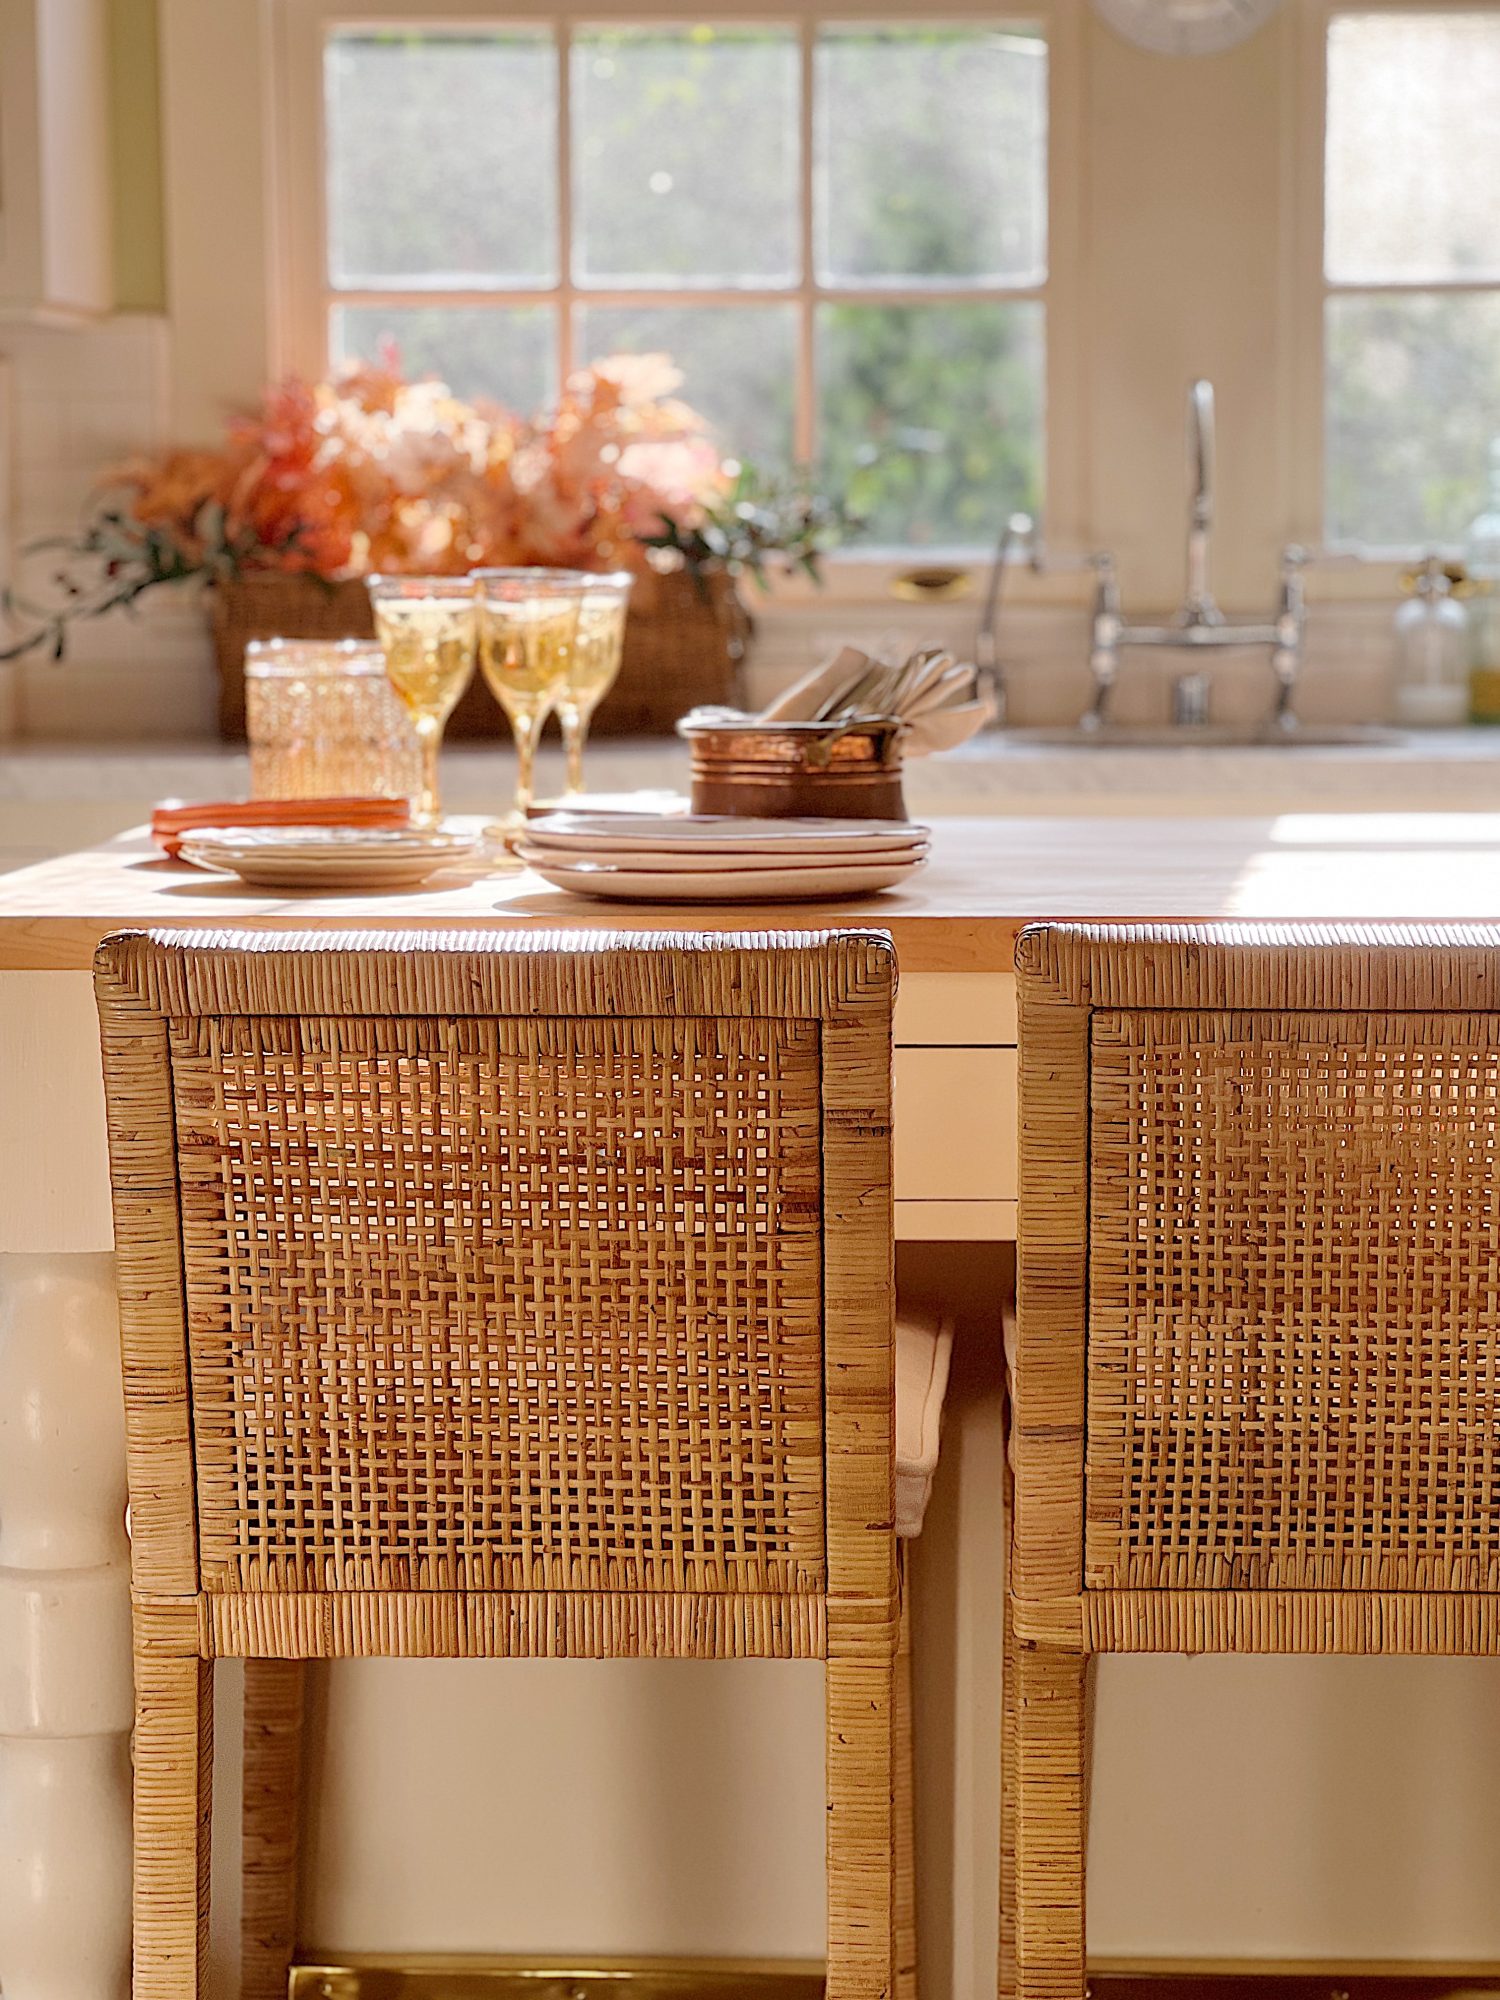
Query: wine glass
(427, 627)
(595, 664)
(528, 628)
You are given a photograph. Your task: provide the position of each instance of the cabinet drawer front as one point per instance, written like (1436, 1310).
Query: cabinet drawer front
(955, 1125)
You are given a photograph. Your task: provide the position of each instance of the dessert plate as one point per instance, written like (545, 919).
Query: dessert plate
(329, 858)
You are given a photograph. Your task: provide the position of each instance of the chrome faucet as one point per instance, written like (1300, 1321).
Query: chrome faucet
(1200, 623)
(1020, 546)
(1199, 607)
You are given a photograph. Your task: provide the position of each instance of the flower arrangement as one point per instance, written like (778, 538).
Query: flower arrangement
(368, 471)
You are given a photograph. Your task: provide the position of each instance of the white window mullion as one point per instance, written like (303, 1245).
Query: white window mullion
(804, 418)
(567, 360)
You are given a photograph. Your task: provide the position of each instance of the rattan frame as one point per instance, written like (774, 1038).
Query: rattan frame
(1084, 992)
(148, 987)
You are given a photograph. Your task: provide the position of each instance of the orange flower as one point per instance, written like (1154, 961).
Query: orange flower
(368, 471)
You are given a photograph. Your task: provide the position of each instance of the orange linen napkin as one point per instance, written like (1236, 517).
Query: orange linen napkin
(172, 821)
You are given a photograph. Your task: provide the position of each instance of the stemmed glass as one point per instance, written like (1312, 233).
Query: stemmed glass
(595, 664)
(528, 629)
(427, 627)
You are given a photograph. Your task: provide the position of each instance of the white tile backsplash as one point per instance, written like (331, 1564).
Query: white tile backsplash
(82, 400)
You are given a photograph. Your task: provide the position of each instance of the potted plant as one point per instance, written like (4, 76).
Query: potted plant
(329, 482)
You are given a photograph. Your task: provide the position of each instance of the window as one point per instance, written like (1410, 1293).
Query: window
(1411, 257)
(838, 231)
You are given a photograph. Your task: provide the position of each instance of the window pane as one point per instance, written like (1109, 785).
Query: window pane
(931, 155)
(738, 365)
(931, 416)
(442, 160)
(1413, 158)
(1413, 400)
(685, 156)
(508, 354)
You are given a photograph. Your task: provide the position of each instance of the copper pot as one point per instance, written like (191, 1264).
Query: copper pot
(795, 770)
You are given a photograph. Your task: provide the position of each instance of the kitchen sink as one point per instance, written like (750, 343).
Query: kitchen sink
(1211, 736)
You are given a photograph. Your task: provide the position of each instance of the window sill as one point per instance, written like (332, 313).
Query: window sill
(870, 582)
(1334, 576)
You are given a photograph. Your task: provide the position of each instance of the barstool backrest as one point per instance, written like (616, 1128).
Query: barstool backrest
(1260, 1265)
(556, 1267)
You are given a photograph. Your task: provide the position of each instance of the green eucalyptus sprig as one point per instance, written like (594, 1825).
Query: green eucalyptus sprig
(114, 560)
(764, 522)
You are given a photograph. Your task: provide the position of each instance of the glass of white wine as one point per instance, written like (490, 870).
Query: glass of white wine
(528, 632)
(428, 630)
(596, 663)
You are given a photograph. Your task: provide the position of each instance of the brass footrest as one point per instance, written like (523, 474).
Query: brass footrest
(466, 1978)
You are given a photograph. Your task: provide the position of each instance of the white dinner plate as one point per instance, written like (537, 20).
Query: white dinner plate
(657, 861)
(623, 833)
(759, 885)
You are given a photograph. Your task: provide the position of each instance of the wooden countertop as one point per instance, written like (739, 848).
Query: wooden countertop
(987, 878)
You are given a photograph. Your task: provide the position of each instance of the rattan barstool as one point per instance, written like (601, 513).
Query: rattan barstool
(1255, 1403)
(526, 1296)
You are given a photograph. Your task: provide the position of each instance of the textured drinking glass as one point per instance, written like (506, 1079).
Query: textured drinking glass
(324, 722)
(427, 627)
(595, 666)
(528, 628)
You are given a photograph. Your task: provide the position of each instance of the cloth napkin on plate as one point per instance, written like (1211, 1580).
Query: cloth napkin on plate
(936, 699)
(173, 822)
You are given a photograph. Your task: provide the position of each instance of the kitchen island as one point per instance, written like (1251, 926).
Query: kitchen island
(64, 1675)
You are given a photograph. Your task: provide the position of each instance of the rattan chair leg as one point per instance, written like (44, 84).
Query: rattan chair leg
(174, 1755)
(906, 1828)
(1007, 1982)
(271, 1822)
(861, 1830)
(1049, 1829)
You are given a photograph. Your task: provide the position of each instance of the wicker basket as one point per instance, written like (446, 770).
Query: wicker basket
(684, 641)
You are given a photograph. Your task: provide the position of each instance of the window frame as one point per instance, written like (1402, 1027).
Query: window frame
(1357, 571)
(302, 293)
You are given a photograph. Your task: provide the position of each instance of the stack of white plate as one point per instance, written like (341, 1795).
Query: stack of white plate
(328, 858)
(713, 860)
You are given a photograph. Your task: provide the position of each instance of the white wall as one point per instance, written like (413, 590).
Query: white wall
(80, 401)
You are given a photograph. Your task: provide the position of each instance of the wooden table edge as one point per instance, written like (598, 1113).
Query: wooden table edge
(34, 943)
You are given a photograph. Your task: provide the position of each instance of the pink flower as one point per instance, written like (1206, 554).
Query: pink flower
(367, 470)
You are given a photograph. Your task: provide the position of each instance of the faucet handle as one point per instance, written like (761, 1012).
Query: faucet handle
(1201, 450)
(1106, 584)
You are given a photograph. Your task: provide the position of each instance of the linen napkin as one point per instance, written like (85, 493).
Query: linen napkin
(937, 699)
(172, 822)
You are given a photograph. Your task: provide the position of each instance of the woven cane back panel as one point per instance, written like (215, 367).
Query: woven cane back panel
(1294, 1301)
(503, 1304)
